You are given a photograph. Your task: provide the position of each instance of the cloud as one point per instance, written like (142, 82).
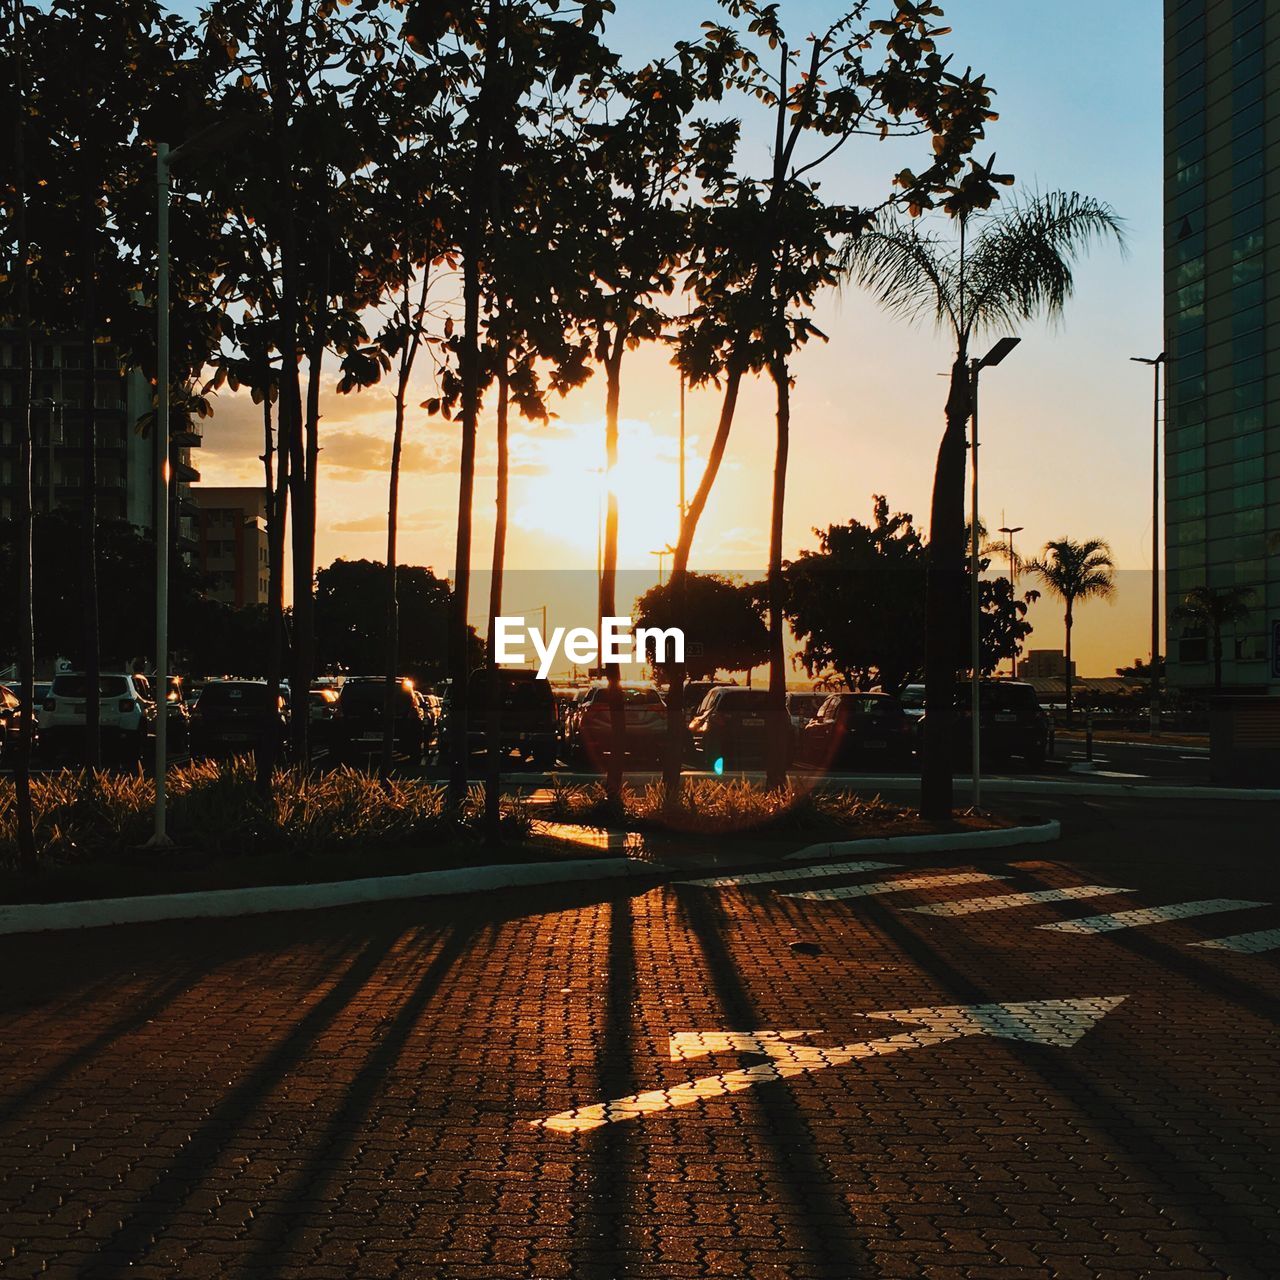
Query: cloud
(347, 455)
(377, 523)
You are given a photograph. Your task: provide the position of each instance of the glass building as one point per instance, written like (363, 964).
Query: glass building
(1222, 274)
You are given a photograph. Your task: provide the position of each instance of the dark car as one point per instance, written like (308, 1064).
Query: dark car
(1010, 718)
(527, 721)
(645, 713)
(232, 716)
(11, 724)
(731, 728)
(862, 728)
(358, 718)
(695, 694)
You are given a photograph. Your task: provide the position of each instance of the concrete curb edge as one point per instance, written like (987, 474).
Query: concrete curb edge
(1001, 838)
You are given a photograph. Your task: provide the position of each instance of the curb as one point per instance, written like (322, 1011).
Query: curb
(39, 917)
(1064, 787)
(1002, 838)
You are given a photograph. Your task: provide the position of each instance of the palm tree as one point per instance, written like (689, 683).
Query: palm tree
(1211, 609)
(1003, 268)
(1075, 571)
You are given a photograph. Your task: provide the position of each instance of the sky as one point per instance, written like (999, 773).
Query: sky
(1065, 426)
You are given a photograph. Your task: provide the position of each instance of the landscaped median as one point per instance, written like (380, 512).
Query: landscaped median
(343, 838)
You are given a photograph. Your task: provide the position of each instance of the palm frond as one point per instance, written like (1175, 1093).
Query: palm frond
(1021, 260)
(1075, 570)
(910, 273)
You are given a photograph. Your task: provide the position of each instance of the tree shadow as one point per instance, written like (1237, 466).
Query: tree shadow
(830, 1233)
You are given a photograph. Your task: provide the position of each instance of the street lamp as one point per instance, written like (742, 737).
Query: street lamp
(1013, 582)
(989, 361)
(214, 138)
(1155, 362)
(662, 553)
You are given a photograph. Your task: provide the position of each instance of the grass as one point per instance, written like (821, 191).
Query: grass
(90, 828)
(713, 807)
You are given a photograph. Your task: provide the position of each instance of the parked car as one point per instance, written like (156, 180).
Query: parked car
(731, 726)
(126, 715)
(357, 725)
(322, 702)
(528, 717)
(11, 724)
(911, 700)
(858, 728)
(645, 713)
(1011, 721)
(233, 716)
(802, 707)
(695, 694)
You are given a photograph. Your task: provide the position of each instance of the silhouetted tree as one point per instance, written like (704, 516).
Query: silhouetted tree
(723, 627)
(1074, 571)
(1001, 270)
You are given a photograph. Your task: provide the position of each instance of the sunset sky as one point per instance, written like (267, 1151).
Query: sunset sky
(1065, 421)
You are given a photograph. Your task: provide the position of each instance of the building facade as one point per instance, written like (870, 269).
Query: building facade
(231, 542)
(124, 457)
(1222, 277)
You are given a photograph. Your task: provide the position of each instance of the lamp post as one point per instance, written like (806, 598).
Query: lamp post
(217, 136)
(989, 361)
(1155, 362)
(1013, 582)
(662, 553)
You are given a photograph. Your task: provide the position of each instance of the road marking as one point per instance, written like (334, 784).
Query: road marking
(1052, 1022)
(1247, 943)
(796, 873)
(1150, 915)
(893, 886)
(1003, 901)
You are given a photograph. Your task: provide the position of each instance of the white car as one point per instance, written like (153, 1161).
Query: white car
(126, 714)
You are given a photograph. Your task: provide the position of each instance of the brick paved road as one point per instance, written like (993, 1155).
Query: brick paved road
(350, 1094)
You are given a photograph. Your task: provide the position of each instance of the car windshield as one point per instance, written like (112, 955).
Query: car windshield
(234, 696)
(78, 686)
(912, 697)
(867, 706)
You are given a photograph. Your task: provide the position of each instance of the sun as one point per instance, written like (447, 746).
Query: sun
(563, 491)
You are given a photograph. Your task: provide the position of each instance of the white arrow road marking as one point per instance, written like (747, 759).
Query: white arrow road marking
(795, 873)
(893, 886)
(1003, 901)
(1053, 1022)
(1247, 943)
(1149, 915)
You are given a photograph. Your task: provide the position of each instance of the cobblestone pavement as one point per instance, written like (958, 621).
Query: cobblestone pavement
(354, 1093)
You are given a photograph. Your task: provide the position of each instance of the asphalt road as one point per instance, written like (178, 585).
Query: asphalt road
(416, 1089)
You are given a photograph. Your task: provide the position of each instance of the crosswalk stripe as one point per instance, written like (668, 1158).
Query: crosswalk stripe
(1003, 901)
(1149, 915)
(893, 886)
(821, 872)
(1247, 943)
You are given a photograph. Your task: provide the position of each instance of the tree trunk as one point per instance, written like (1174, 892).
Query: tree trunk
(89, 481)
(276, 482)
(778, 742)
(1217, 658)
(608, 603)
(26, 632)
(678, 581)
(392, 659)
(1066, 665)
(480, 192)
(944, 595)
(493, 687)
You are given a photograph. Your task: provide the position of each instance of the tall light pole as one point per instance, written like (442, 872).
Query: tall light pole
(989, 361)
(1155, 362)
(1009, 531)
(217, 136)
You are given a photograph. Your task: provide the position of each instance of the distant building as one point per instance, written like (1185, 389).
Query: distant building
(124, 458)
(231, 542)
(1043, 664)
(1222, 281)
